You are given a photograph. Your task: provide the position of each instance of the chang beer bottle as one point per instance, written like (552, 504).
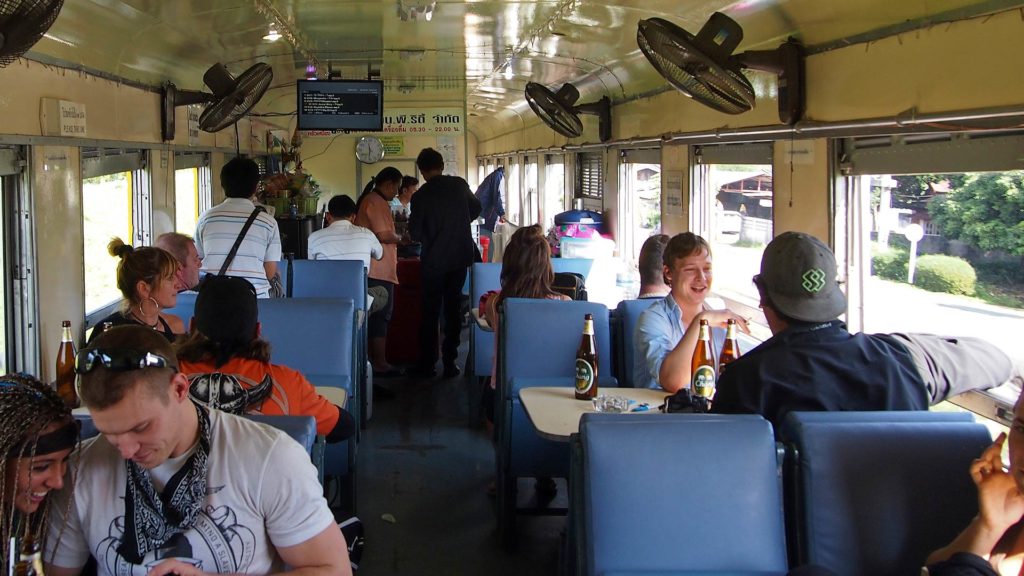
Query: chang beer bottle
(702, 367)
(730, 348)
(586, 362)
(65, 368)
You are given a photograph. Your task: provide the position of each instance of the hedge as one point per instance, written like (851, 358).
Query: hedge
(891, 265)
(949, 274)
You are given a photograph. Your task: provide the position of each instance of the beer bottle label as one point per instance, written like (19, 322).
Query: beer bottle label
(584, 376)
(703, 383)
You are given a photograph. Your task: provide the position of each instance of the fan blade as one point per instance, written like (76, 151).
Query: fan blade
(246, 92)
(682, 61)
(553, 111)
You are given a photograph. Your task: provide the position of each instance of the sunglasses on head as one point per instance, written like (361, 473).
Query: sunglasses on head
(119, 360)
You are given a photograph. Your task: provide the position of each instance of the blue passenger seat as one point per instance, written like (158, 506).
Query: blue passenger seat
(627, 313)
(678, 494)
(876, 492)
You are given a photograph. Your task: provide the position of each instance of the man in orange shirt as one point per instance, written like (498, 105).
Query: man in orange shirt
(228, 365)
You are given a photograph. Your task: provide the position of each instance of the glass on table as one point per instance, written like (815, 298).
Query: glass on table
(613, 404)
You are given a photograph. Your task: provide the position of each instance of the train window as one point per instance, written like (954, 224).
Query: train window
(957, 198)
(115, 203)
(554, 189)
(639, 200)
(191, 190)
(590, 180)
(513, 192)
(8, 181)
(531, 206)
(731, 206)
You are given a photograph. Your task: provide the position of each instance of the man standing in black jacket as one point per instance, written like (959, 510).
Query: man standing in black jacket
(440, 217)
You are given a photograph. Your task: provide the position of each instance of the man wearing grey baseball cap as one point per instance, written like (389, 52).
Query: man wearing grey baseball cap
(812, 362)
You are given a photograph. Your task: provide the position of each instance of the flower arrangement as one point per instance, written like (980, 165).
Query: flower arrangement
(292, 187)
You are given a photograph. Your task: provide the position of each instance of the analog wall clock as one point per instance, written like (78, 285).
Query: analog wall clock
(369, 150)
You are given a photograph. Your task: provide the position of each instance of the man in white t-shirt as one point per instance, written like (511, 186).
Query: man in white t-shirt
(173, 488)
(341, 239)
(218, 228)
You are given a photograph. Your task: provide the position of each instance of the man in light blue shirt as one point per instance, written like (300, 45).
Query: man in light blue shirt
(666, 333)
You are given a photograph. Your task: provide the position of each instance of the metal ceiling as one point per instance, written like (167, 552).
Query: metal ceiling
(479, 52)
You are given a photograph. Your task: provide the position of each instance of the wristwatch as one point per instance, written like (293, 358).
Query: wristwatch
(369, 149)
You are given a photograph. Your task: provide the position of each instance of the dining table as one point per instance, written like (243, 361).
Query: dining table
(555, 412)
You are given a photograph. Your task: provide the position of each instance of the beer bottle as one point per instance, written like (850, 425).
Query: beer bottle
(29, 557)
(65, 384)
(586, 362)
(702, 366)
(731, 346)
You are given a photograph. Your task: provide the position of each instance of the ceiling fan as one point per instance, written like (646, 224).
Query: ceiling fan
(560, 111)
(704, 68)
(231, 100)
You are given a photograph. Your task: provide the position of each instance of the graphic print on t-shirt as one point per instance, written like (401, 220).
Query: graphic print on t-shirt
(216, 534)
(231, 393)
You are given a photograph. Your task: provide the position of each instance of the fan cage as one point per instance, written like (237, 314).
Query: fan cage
(553, 111)
(670, 50)
(249, 88)
(22, 24)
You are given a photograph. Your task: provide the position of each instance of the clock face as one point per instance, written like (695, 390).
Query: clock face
(369, 150)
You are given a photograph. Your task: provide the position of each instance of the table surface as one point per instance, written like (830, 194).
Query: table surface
(555, 412)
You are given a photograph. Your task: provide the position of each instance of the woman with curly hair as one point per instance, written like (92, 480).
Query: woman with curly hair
(147, 279)
(37, 435)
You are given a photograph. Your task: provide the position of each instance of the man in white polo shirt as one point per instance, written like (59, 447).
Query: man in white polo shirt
(218, 228)
(341, 239)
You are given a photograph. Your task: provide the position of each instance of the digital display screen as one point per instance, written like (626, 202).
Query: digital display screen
(340, 105)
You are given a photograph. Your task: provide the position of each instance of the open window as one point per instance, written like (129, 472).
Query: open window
(959, 196)
(639, 201)
(115, 203)
(731, 207)
(192, 192)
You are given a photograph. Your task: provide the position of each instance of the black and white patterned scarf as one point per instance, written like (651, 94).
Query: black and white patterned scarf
(151, 519)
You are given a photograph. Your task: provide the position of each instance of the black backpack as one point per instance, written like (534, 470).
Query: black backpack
(571, 284)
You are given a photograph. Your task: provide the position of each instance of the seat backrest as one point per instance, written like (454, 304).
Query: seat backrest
(679, 493)
(313, 336)
(539, 338)
(330, 279)
(302, 429)
(580, 266)
(627, 313)
(877, 491)
(485, 276)
(184, 308)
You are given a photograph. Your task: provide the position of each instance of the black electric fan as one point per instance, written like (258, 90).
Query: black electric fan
(559, 110)
(704, 68)
(22, 24)
(232, 98)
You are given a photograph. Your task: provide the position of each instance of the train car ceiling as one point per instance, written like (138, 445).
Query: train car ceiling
(477, 54)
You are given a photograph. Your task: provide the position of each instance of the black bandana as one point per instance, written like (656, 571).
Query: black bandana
(151, 519)
(63, 438)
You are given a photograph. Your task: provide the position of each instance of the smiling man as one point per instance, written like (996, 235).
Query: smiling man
(666, 333)
(173, 488)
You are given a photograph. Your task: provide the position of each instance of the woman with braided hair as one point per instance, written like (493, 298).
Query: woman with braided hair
(37, 435)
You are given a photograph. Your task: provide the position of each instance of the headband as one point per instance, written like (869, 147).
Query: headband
(63, 438)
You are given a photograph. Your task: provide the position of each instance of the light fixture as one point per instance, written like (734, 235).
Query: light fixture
(415, 12)
(272, 35)
(311, 72)
(508, 71)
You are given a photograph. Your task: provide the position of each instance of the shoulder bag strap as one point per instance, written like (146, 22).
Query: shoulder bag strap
(238, 241)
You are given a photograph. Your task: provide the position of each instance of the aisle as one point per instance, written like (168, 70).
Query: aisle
(421, 462)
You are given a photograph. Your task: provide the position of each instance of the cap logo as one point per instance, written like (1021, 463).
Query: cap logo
(814, 280)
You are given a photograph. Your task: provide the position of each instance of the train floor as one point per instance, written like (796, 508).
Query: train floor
(423, 469)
